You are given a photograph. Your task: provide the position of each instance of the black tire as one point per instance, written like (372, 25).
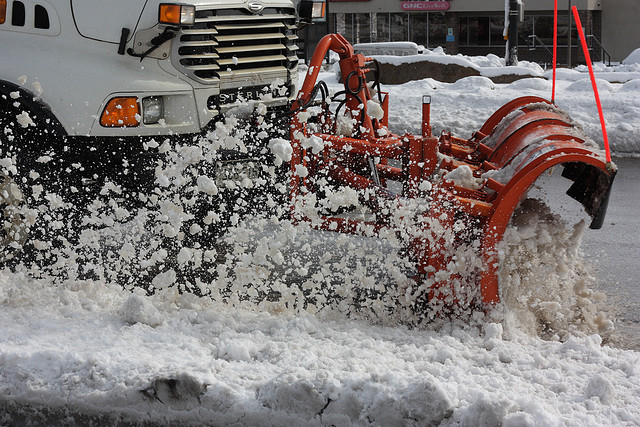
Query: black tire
(14, 226)
(28, 131)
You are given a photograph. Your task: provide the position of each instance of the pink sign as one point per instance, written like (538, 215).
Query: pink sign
(425, 5)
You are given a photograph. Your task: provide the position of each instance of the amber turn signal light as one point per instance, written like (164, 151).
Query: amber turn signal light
(176, 14)
(3, 11)
(121, 112)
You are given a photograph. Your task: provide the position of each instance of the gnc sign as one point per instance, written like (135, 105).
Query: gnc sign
(425, 5)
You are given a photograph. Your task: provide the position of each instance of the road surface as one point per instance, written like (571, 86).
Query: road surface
(615, 250)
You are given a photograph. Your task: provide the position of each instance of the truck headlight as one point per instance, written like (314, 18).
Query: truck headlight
(177, 14)
(152, 109)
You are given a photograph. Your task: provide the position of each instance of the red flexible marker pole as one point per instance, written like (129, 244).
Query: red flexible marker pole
(593, 83)
(555, 51)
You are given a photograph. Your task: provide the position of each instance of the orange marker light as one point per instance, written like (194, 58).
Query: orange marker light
(319, 10)
(176, 14)
(169, 14)
(121, 112)
(3, 11)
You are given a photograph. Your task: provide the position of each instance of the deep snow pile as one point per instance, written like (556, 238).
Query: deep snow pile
(303, 327)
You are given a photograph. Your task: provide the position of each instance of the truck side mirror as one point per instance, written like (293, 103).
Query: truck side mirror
(310, 11)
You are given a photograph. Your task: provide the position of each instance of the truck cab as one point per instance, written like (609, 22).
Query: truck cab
(145, 68)
(89, 90)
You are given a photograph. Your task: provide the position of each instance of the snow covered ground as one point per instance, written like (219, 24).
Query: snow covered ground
(463, 106)
(90, 350)
(77, 351)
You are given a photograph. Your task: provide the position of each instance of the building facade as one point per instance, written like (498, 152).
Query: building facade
(474, 27)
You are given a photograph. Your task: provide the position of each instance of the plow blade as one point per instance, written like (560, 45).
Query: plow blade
(525, 138)
(471, 186)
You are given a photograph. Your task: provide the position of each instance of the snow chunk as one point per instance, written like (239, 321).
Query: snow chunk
(164, 279)
(302, 171)
(25, 120)
(8, 165)
(282, 149)
(485, 411)
(184, 256)
(425, 186)
(462, 176)
(403, 48)
(601, 388)
(493, 331)
(315, 143)
(37, 88)
(374, 109)
(630, 87)
(138, 309)
(207, 185)
(292, 395)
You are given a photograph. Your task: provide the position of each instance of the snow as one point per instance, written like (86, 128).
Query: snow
(463, 177)
(101, 351)
(388, 48)
(77, 348)
(207, 185)
(488, 66)
(281, 148)
(463, 106)
(633, 58)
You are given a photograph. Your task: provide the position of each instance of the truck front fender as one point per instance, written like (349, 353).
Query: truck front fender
(31, 103)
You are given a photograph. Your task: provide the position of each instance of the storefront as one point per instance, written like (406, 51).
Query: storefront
(471, 27)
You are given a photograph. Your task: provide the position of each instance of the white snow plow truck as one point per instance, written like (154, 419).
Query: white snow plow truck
(85, 84)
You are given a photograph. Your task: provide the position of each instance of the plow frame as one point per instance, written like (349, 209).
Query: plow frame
(371, 155)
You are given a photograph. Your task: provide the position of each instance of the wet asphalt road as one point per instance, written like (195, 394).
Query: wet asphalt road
(615, 250)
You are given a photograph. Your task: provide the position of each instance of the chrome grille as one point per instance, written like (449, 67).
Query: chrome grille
(225, 45)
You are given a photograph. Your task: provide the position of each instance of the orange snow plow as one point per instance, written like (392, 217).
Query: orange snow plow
(467, 189)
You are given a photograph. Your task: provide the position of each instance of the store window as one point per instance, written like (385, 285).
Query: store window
(563, 30)
(399, 27)
(383, 22)
(481, 31)
(496, 31)
(437, 30)
(543, 29)
(427, 29)
(357, 27)
(419, 28)
(538, 31)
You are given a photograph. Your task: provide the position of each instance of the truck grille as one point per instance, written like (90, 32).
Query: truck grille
(236, 45)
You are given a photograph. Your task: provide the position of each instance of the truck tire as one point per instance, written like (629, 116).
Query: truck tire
(14, 228)
(27, 128)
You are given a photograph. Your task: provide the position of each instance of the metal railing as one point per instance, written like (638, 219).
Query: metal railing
(533, 41)
(591, 39)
